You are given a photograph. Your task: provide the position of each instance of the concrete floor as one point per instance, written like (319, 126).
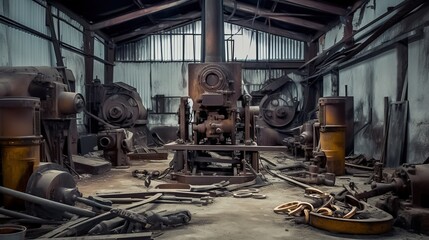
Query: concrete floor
(228, 217)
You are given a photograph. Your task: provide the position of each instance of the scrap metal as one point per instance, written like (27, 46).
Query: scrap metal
(349, 216)
(408, 200)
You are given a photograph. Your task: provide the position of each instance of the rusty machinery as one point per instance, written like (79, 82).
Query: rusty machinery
(118, 104)
(121, 126)
(36, 114)
(55, 115)
(116, 143)
(278, 102)
(20, 139)
(222, 142)
(329, 138)
(408, 199)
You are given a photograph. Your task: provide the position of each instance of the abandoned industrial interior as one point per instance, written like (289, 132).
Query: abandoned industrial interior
(214, 119)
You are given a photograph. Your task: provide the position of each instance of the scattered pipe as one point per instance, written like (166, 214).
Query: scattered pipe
(45, 202)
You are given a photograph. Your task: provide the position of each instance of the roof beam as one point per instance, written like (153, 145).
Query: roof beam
(139, 13)
(270, 29)
(158, 27)
(267, 14)
(316, 5)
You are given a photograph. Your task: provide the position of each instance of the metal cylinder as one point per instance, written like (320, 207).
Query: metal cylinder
(106, 142)
(214, 46)
(332, 111)
(19, 116)
(12, 232)
(333, 144)
(70, 103)
(45, 202)
(19, 144)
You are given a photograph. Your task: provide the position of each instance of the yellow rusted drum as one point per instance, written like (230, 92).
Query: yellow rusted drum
(332, 111)
(333, 127)
(19, 144)
(333, 144)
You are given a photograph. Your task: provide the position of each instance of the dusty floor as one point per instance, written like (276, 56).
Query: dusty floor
(228, 217)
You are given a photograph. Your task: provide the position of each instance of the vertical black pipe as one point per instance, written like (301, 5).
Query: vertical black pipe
(213, 36)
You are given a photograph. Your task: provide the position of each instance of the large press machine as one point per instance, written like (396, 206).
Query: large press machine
(221, 145)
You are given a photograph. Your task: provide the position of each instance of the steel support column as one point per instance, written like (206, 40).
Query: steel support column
(88, 48)
(110, 57)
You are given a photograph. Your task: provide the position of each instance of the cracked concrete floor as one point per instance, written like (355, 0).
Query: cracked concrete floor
(229, 217)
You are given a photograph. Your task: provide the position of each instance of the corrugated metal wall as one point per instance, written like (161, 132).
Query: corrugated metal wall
(157, 64)
(184, 44)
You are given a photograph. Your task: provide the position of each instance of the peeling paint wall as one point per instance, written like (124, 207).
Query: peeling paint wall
(370, 81)
(361, 18)
(418, 86)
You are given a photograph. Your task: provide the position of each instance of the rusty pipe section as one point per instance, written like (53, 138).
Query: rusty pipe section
(213, 44)
(70, 103)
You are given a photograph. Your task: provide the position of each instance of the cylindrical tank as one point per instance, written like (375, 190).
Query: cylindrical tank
(332, 111)
(19, 143)
(333, 144)
(332, 118)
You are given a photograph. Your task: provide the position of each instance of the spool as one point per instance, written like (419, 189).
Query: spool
(12, 232)
(19, 144)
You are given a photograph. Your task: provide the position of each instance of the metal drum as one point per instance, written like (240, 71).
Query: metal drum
(20, 141)
(333, 127)
(332, 111)
(333, 144)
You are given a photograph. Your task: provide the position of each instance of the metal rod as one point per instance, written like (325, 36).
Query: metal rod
(360, 167)
(289, 180)
(15, 214)
(85, 225)
(47, 202)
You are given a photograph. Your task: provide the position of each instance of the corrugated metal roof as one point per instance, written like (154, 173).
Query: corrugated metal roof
(184, 44)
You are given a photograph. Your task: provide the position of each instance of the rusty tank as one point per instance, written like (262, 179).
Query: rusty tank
(20, 140)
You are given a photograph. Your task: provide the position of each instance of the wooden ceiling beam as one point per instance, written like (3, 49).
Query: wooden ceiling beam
(139, 13)
(247, 8)
(317, 6)
(162, 26)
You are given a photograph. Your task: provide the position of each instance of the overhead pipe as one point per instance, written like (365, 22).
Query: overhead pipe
(213, 32)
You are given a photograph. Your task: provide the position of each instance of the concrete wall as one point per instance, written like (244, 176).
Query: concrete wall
(370, 81)
(418, 97)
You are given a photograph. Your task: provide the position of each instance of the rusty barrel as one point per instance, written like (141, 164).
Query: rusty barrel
(19, 143)
(333, 144)
(332, 111)
(332, 118)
